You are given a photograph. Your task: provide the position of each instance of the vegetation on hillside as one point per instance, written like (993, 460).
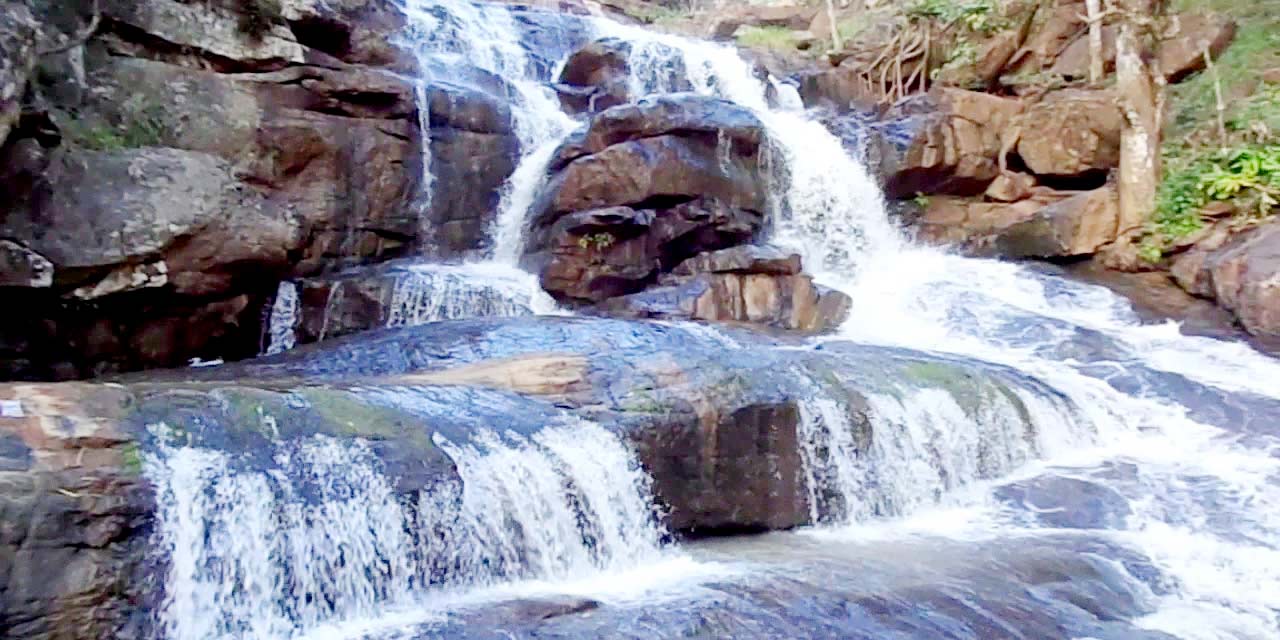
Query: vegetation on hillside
(1237, 163)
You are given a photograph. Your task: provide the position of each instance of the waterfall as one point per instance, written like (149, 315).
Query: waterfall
(429, 293)
(924, 440)
(283, 319)
(319, 536)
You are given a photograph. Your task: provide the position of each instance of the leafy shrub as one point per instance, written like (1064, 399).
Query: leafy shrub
(978, 16)
(1247, 176)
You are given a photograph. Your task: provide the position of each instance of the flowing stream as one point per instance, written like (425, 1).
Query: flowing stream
(1196, 493)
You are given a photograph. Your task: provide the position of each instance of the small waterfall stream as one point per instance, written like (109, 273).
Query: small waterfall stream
(320, 537)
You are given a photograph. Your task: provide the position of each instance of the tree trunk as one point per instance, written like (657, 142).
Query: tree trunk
(1139, 92)
(1096, 62)
(836, 43)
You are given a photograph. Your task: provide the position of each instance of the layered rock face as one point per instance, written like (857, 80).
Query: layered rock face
(719, 431)
(165, 162)
(650, 186)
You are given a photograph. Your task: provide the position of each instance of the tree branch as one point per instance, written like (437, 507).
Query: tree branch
(80, 37)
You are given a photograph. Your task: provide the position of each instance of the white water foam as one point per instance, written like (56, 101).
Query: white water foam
(433, 292)
(829, 210)
(321, 541)
(283, 321)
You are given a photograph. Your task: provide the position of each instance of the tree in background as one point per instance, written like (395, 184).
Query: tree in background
(1140, 91)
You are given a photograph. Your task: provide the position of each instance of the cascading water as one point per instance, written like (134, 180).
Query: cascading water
(429, 293)
(283, 321)
(319, 537)
(1200, 501)
(828, 209)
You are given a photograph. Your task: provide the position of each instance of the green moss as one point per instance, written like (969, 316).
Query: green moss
(139, 124)
(131, 458)
(766, 37)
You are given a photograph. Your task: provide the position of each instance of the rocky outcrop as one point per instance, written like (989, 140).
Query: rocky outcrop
(1242, 273)
(186, 154)
(750, 284)
(717, 429)
(789, 17)
(1070, 133)
(595, 77)
(642, 188)
(1046, 225)
(955, 143)
(1180, 54)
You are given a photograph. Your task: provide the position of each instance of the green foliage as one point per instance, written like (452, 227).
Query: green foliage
(978, 16)
(597, 241)
(140, 125)
(921, 200)
(1256, 48)
(1247, 176)
(131, 458)
(766, 37)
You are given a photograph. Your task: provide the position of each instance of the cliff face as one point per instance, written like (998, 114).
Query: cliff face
(165, 163)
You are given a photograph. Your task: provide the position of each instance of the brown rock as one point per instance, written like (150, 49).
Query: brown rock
(1070, 133)
(1243, 275)
(1271, 76)
(1073, 62)
(955, 150)
(796, 18)
(1075, 225)
(1011, 187)
(1182, 49)
(595, 77)
(1061, 24)
(741, 259)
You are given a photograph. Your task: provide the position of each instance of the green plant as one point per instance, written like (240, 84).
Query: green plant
(978, 16)
(766, 37)
(597, 241)
(1248, 176)
(921, 200)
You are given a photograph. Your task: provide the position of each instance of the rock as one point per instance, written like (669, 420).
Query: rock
(1058, 225)
(752, 284)
(22, 267)
(1182, 48)
(595, 77)
(1059, 26)
(1241, 274)
(1071, 133)
(741, 259)
(841, 87)
(952, 150)
(215, 33)
(1073, 62)
(1011, 186)
(120, 206)
(642, 188)
(1271, 76)
(796, 18)
(18, 31)
(677, 114)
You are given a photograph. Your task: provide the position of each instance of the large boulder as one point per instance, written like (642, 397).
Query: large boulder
(749, 284)
(1181, 49)
(1071, 133)
(595, 77)
(1047, 225)
(1242, 273)
(642, 188)
(954, 144)
(788, 17)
